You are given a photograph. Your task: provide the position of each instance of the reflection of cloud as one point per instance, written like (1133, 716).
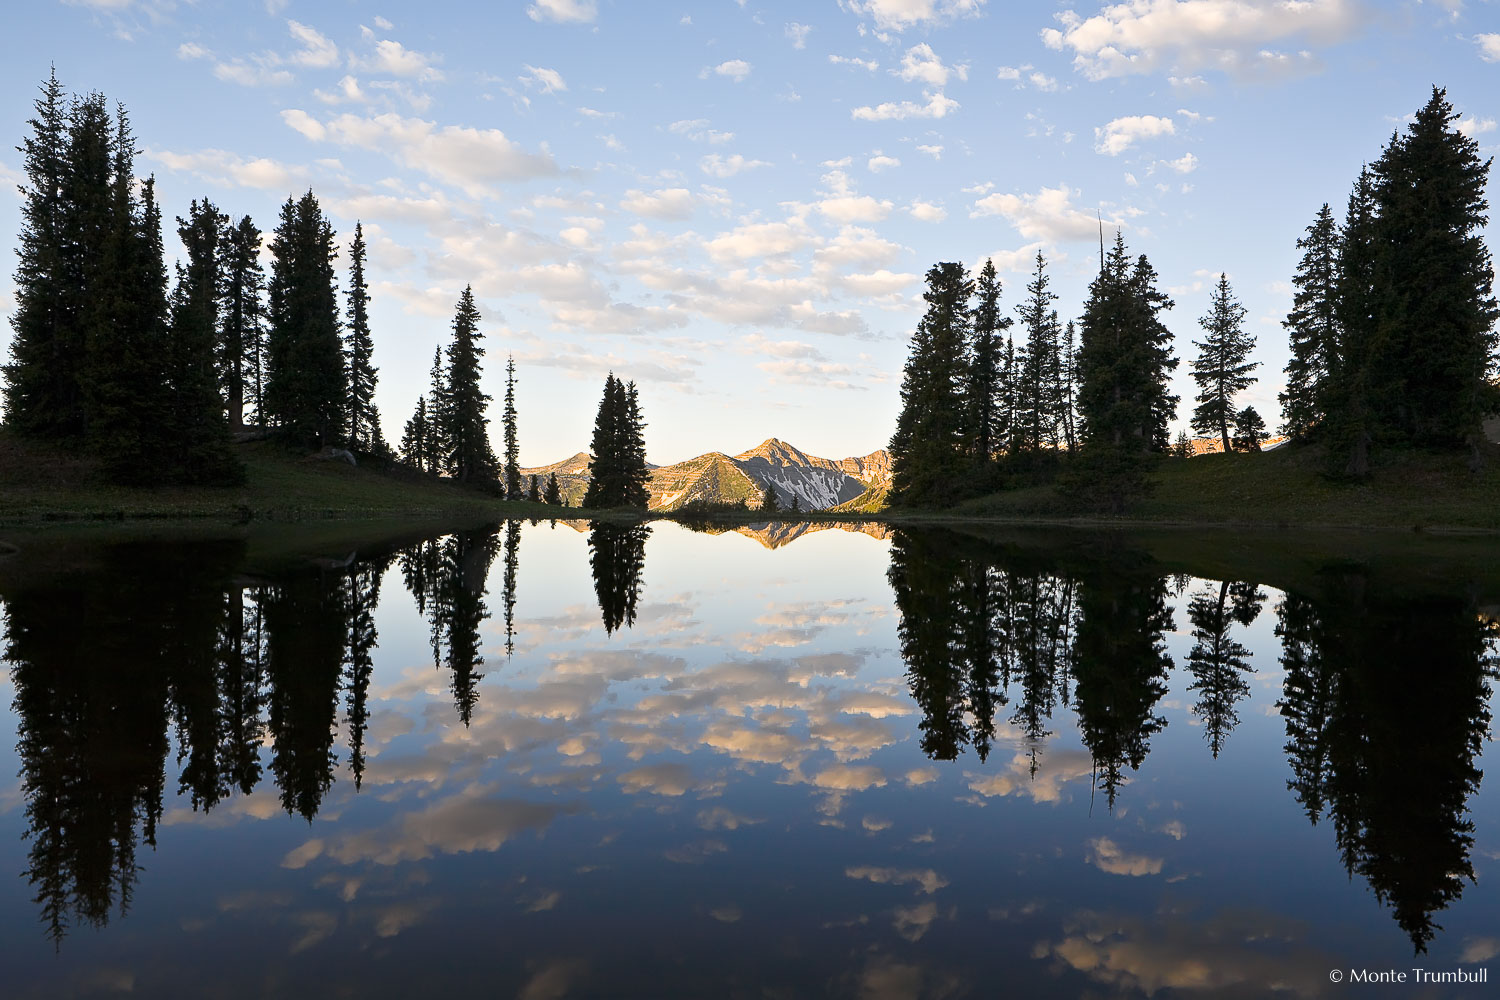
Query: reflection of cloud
(696, 853)
(1479, 949)
(1256, 952)
(884, 979)
(921, 775)
(457, 825)
(1174, 829)
(660, 779)
(875, 825)
(316, 926)
(392, 920)
(913, 921)
(719, 818)
(726, 914)
(844, 778)
(554, 980)
(1053, 771)
(925, 879)
(541, 902)
(1106, 855)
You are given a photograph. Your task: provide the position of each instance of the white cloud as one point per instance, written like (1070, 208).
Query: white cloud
(1489, 47)
(880, 162)
(348, 92)
(247, 75)
(1048, 215)
(221, 167)
(1122, 133)
(936, 152)
(925, 879)
(697, 130)
(798, 34)
(728, 166)
(1143, 36)
(472, 159)
(1041, 81)
(1107, 856)
(393, 58)
(760, 239)
(1185, 164)
(735, 69)
(937, 106)
(869, 64)
(317, 51)
(898, 15)
(548, 81)
(922, 64)
(305, 123)
(665, 203)
(1008, 73)
(563, 11)
(1476, 126)
(926, 211)
(192, 50)
(382, 23)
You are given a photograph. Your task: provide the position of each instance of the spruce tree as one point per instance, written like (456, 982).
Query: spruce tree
(553, 494)
(535, 493)
(1436, 310)
(306, 391)
(437, 402)
(1222, 369)
(768, 504)
(364, 418)
(606, 487)
(465, 427)
(1349, 413)
(1038, 404)
(1249, 429)
(985, 378)
(416, 439)
(1067, 377)
(196, 422)
(1312, 327)
(636, 473)
(241, 338)
(34, 370)
(926, 449)
(512, 446)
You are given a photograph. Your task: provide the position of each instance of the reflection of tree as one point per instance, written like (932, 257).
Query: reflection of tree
(93, 706)
(1245, 600)
(1039, 617)
(1218, 661)
(928, 593)
(362, 597)
(1388, 755)
(508, 593)
(1119, 671)
(447, 578)
(617, 557)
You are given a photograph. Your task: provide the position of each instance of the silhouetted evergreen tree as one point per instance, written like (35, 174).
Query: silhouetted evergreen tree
(1067, 391)
(1349, 412)
(768, 502)
(986, 378)
(512, 445)
(1312, 327)
(306, 392)
(534, 494)
(511, 569)
(416, 439)
(553, 495)
(361, 599)
(461, 417)
(195, 424)
(637, 474)
(1223, 366)
(1039, 400)
(1249, 430)
(927, 448)
(241, 339)
(364, 417)
(617, 473)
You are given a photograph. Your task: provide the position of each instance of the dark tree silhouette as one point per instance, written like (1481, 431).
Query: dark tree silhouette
(306, 392)
(617, 557)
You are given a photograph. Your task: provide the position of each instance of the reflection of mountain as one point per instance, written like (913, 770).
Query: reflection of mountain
(717, 478)
(1387, 752)
(775, 534)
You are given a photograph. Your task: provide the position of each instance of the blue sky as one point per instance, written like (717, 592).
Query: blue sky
(733, 203)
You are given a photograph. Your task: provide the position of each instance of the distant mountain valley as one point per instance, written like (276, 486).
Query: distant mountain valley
(849, 484)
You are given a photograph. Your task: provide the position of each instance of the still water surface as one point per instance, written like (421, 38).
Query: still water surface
(556, 760)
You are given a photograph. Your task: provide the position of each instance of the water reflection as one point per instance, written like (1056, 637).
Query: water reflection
(1031, 672)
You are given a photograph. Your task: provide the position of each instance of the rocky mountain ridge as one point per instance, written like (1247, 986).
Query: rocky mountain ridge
(717, 478)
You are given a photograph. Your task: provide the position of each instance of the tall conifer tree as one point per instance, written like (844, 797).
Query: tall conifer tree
(1222, 368)
(926, 449)
(241, 337)
(512, 444)
(1038, 402)
(1312, 327)
(465, 427)
(985, 381)
(364, 418)
(306, 389)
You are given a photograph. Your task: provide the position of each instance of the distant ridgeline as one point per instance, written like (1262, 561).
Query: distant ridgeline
(794, 477)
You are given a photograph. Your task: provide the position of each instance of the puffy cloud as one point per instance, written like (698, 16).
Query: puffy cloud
(760, 239)
(221, 167)
(670, 780)
(472, 159)
(926, 211)
(798, 34)
(1049, 215)
(548, 81)
(937, 106)
(728, 166)
(564, 11)
(1107, 856)
(1142, 36)
(880, 162)
(735, 69)
(1184, 164)
(1008, 73)
(922, 64)
(936, 152)
(849, 778)
(926, 880)
(898, 15)
(348, 92)
(1476, 126)
(1122, 133)
(305, 123)
(1041, 81)
(869, 64)
(663, 203)
(393, 58)
(317, 51)
(1489, 47)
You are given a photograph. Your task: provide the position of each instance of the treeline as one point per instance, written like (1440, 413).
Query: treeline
(1391, 336)
(1392, 324)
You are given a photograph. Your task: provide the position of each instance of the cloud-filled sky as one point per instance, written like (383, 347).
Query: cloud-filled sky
(732, 202)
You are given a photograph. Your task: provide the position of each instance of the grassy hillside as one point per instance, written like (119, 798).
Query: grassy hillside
(1287, 487)
(42, 483)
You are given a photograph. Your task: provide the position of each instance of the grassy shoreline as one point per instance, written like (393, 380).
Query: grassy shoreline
(1280, 490)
